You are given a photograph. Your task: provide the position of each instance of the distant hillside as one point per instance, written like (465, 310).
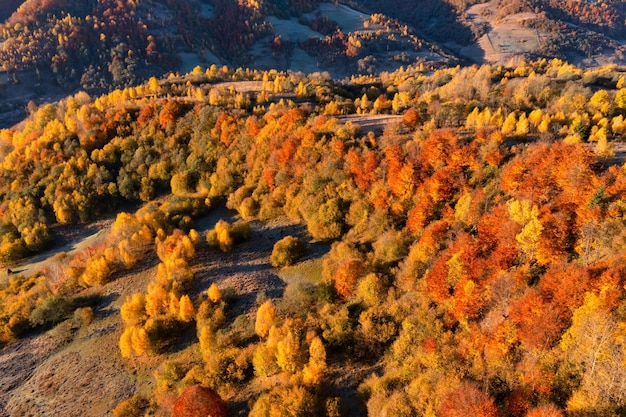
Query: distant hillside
(98, 45)
(49, 48)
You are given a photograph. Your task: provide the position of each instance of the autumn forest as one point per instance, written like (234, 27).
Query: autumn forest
(434, 240)
(475, 259)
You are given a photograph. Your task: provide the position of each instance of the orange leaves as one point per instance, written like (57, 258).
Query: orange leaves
(437, 149)
(400, 175)
(410, 118)
(402, 182)
(224, 128)
(286, 153)
(169, 113)
(421, 214)
(548, 171)
(199, 401)
(539, 323)
(467, 400)
(362, 167)
(346, 277)
(546, 410)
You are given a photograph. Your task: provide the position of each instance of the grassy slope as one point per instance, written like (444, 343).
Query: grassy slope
(77, 371)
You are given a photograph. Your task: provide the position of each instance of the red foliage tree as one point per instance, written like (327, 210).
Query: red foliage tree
(346, 277)
(467, 400)
(199, 401)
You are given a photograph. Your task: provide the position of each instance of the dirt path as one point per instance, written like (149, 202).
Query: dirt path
(370, 122)
(91, 236)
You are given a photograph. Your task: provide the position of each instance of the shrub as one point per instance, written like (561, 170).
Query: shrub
(287, 251)
(53, 310)
(294, 401)
(249, 208)
(224, 236)
(83, 316)
(240, 231)
(132, 407)
(214, 293)
(199, 401)
(265, 318)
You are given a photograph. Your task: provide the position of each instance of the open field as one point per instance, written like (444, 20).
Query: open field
(292, 29)
(504, 39)
(348, 19)
(370, 122)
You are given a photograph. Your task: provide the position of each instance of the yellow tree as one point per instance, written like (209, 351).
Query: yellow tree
(126, 344)
(265, 318)
(214, 293)
(314, 370)
(133, 311)
(596, 344)
(187, 311)
(288, 353)
(140, 341)
(509, 124)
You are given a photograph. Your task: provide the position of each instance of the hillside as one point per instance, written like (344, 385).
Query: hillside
(53, 48)
(446, 242)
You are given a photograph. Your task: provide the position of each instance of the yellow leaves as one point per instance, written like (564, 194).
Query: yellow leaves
(177, 246)
(529, 237)
(97, 271)
(600, 101)
(214, 293)
(207, 343)
(224, 235)
(509, 124)
(265, 318)
(595, 345)
(125, 343)
(522, 211)
(618, 125)
(620, 98)
(284, 401)
(313, 372)
(370, 290)
(187, 311)
(456, 269)
(153, 85)
(535, 117)
(224, 240)
(522, 126)
(462, 207)
(129, 258)
(288, 352)
(133, 311)
(603, 148)
(134, 341)
(590, 308)
(526, 216)
(157, 300)
(140, 341)
(263, 360)
(544, 125)
(470, 122)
